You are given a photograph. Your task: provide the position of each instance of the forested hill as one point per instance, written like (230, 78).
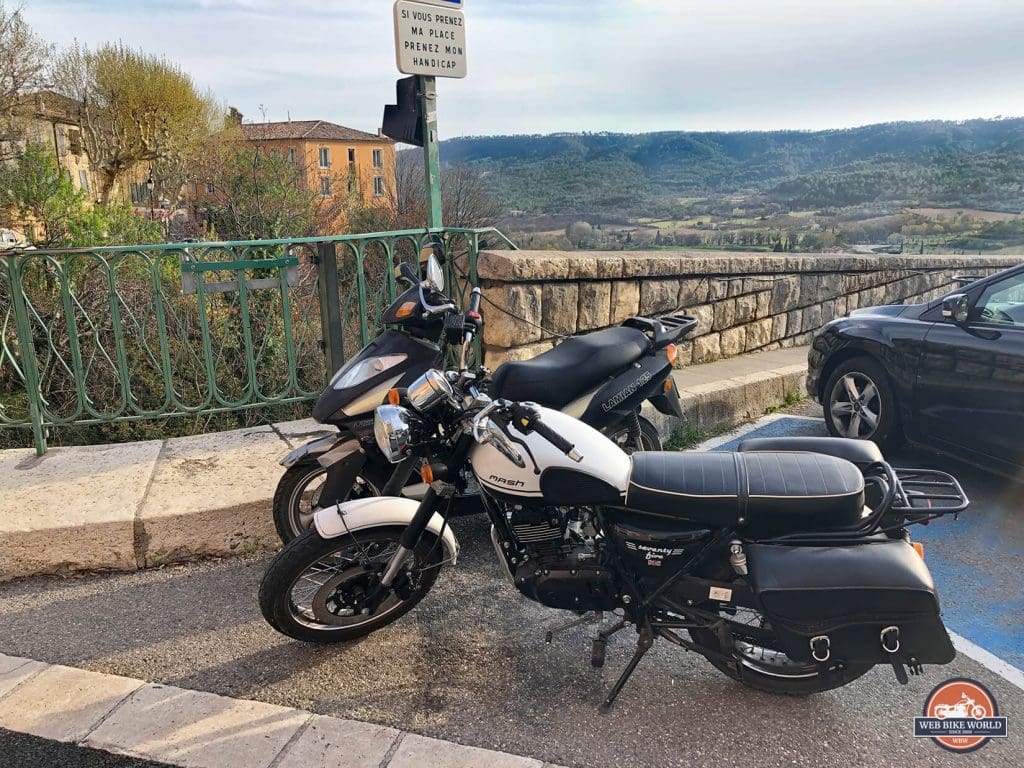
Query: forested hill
(977, 163)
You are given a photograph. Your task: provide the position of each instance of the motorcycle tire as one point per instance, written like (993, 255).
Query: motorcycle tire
(311, 554)
(293, 502)
(770, 670)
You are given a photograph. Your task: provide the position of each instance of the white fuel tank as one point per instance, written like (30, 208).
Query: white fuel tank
(603, 472)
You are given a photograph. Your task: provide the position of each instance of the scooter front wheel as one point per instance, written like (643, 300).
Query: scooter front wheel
(328, 590)
(297, 495)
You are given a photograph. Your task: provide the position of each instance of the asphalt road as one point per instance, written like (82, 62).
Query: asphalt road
(20, 750)
(470, 665)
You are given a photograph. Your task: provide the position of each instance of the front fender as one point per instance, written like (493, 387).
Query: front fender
(378, 512)
(314, 448)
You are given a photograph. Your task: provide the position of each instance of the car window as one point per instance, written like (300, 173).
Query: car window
(1002, 303)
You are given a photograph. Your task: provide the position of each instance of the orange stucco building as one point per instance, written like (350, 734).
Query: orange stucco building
(333, 155)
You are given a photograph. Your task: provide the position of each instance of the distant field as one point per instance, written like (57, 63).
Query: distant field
(971, 213)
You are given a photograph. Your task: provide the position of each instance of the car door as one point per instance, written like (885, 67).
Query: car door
(969, 393)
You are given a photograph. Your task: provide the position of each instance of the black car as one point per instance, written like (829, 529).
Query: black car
(948, 375)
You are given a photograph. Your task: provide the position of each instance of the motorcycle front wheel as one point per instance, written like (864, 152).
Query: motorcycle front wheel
(325, 590)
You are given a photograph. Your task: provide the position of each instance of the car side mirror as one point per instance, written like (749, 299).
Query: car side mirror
(957, 308)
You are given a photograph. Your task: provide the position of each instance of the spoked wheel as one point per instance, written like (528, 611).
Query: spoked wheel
(759, 665)
(327, 590)
(859, 402)
(649, 439)
(298, 493)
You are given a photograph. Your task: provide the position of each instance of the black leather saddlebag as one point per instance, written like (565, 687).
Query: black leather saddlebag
(873, 602)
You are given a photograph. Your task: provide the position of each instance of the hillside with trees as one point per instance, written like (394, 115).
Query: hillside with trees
(778, 190)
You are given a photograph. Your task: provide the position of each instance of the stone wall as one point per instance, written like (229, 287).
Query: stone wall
(744, 301)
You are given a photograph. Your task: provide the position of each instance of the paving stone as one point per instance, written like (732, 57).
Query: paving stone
(332, 743)
(15, 670)
(62, 703)
(211, 494)
(73, 508)
(420, 752)
(198, 730)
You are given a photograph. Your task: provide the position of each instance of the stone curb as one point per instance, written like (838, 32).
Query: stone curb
(204, 730)
(138, 505)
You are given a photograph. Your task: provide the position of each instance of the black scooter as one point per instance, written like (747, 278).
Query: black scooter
(602, 378)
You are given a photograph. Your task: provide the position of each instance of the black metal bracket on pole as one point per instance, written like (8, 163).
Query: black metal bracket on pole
(330, 306)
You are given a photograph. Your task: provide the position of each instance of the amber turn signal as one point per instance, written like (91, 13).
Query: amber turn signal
(667, 386)
(919, 548)
(394, 397)
(406, 309)
(672, 353)
(427, 474)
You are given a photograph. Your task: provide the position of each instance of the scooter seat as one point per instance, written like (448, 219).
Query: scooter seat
(764, 491)
(557, 377)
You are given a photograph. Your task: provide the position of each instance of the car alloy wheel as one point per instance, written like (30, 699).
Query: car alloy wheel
(856, 406)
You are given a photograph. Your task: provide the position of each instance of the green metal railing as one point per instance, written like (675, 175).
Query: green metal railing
(130, 333)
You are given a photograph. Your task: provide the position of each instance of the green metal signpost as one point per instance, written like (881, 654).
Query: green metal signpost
(430, 42)
(427, 89)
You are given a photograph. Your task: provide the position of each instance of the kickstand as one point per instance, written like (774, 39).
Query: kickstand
(585, 619)
(643, 644)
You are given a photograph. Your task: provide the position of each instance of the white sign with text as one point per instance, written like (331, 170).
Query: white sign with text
(430, 40)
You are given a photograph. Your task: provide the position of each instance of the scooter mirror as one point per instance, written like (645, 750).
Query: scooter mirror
(435, 275)
(434, 249)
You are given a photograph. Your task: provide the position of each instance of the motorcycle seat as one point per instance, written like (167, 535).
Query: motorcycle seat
(764, 491)
(557, 377)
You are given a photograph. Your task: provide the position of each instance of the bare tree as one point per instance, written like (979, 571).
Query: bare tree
(465, 198)
(134, 108)
(24, 58)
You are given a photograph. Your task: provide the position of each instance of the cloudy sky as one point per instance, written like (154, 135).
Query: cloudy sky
(539, 66)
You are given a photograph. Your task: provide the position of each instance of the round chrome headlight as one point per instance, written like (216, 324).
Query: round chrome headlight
(395, 430)
(429, 390)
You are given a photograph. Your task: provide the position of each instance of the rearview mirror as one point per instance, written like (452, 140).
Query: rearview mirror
(957, 308)
(432, 249)
(435, 275)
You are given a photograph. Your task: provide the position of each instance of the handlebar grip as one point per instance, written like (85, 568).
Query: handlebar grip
(474, 301)
(556, 440)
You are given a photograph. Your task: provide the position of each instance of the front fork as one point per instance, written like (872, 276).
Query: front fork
(428, 505)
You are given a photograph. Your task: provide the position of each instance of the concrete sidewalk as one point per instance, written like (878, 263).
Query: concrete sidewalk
(203, 730)
(136, 505)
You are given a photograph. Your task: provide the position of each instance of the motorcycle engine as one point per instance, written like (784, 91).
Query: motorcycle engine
(562, 565)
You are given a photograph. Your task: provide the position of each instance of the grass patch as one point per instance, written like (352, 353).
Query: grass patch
(689, 435)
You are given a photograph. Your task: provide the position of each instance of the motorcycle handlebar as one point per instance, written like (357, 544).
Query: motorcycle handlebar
(528, 419)
(474, 302)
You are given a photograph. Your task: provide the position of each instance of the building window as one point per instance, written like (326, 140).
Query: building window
(75, 139)
(325, 157)
(378, 186)
(60, 141)
(210, 188)
(83, 180)
(292, 157)
(325, 187)
(138, 193)
(351, 155)
(378, 158)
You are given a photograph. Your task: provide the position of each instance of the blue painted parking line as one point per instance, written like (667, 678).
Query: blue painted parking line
(974, 560)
